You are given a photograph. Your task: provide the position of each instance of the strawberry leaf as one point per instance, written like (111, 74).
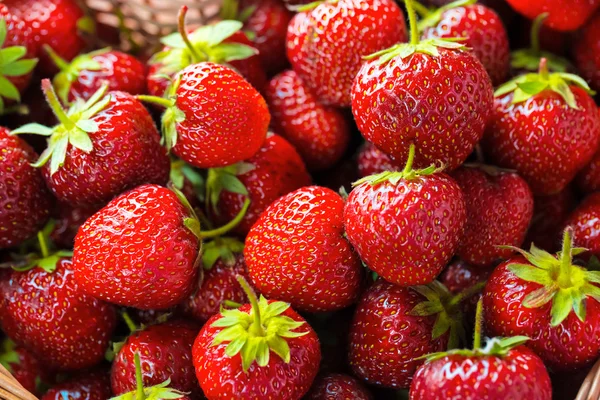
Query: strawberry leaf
(33, 128)
(18, 68)
(11, 54)
(227, 52)
(8, 90)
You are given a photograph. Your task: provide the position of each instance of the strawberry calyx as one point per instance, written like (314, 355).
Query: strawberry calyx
(226, 178)
(255, 334)
(47, 258)
(180, 171)
(9, 356)
(563, 283)
(431, 17)
(221, 248)
(528, 85)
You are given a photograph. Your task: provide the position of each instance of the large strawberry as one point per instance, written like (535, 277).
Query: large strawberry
(319, 133)
(482, 29)
(549, 215)
(327, 40)
(550, 300)
(373, 161)
(561, 16)
(432, 93)
(100, 148)
(585, 222)
(24, 201)
(23, 366)
(563, 118)
(85, 386)
(406, 225)
(297, 252)
(261, 350)
(338, 387)
(587, 50)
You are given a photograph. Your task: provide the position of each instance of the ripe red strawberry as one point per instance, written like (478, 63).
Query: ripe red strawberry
(588, 179)
(318, 271)
(86, 74)
(319, 133)
(140, 250)
(549, 215)
(585, 222)
(23, 366)
(24, 201)
(430, 93)
(85, 386)
(460, 277)
(373, 161)
(406, 225)
(274, 171)
(100, 148)
(261, 350)
(564, 118)
(338, 387)
(499, 210)
(586, 51)
(550, 300)
(68, 221)
(326, 43)
(165, 352)
(480, 26)
(561, 16)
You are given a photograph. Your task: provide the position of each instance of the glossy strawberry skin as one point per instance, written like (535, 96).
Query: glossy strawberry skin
(165, 352)
(587, 52)
(278, 170)
(127, 153)
(441, 104)
(137, 252)
(372, 161)
(320, 133)
(548, 160)
(28, 370)
(385, 340)
(24, 201)
(549, 215)
(499, 210)
(91, 386)
(19, 33)
(226, 119)
(48, 315)
(68, 221)
(318, 270)
(519, 375)
(571, 345)
(585, 221)
(338, 387)
(588, 179)
(222, 377)
(561, 16)
(326, 44)
(485, 35)
(406, 232)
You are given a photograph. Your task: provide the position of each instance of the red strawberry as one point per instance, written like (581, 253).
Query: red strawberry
(68, 221)
(549, 215)
(24, 201)
(373, 161)
(483, 29)
(23, 366)
(140, 250)
(564, 118)
(499, 209)
(318, 271)
(319, 133)
(587, 51)
(326, 43)
(86, 74)
(338, 387)
(432, 93)
(460, 277)
(551, 301)
(85, 386)
(561, 16)
(261, 350)
(274, 171)
(588, 179)
(406, 225)
(165, 352)
(585, 221)
(100, 148)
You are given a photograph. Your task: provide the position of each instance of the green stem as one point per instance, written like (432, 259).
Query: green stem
(536, 26)
(230, 225)
(467, 293)
(564, 273)
(478, 325)
(412, 21)
(232, 304)
(184, 35)
(61, 63)
(543, 69)
(55, 104)
(43, 244)
(140, 395)
(421, 9)
(411, 159)
(159, 101)
(128, 321)
(256, 326)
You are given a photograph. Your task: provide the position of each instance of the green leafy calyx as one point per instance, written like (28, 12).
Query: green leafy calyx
(226, 178)
(494, 347)
(47, 258)
(430, 18)
(180, 172)
(221, 248)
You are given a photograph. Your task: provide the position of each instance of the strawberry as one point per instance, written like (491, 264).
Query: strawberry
(587, 47)
(550, 104)
(327, 40)
(459, 277)
(68, 221)
(24, 201)
(480, 25)
(261, 350)
(318, 271)
(550, 300)
(23, 366)
(588, 179)
(431, 93)
(406, 225)
(100, 148)
(338, 387)
(165, 352)
(585, 222)
(373, 161)
(140, 250)
(499, 209)
(86, 74)
(549, 215)
(561, 16)
(274, 171)
(85, 386)
(319, 133)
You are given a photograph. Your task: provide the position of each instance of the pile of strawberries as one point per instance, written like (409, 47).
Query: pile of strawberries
(341, 199)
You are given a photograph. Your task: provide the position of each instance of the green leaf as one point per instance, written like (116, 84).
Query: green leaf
(18, 68)
(441, 326)
(280, 347)
(173, 40)
(561, 307)
(3, 31)
(236, 345)
(246, 13)
(59, 154)
(11, 54)
(562, 88)
(33, 128)
(44, 157)
(211, 35)
(427, 308)
(227, 52)
(530, 273)
(579, 306)
(87, 125)
(48, 264)
(194, 226)
(248, 353)
(210, 256)
(512, 342)
(8, 90)
(262, 354)
(540, 296)
(232, 184)
(81, 140)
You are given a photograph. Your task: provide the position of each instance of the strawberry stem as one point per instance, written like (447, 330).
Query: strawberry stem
(128, 321)
(411, 158)
(412, 21)
(421, 9)
(478, 325)
(55, 104)
(231, 304)
(564, 274)
(159, 101)
(60, 62)
(536, 26)
(230, 225)
(467, 293)
(43, 244)
(256, 328)
(140, 395)
(184, 35)
(543, 70)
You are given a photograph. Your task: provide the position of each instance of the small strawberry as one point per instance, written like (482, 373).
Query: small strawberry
(432, 93)
(549, 215)
(588, 179)
(317, 270)
(373, 161)
(68, 221)
(585, 222)
(482, 29)
(100, 148)
(327, 40)
(587, 50)
(140, 250)
(320, 133)
(338, 387)
(261, 350)
(550, 300)
(23, 366)
(85, 386)
(406, 225)
(561, 16)
(24, 201)
(564, 118)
